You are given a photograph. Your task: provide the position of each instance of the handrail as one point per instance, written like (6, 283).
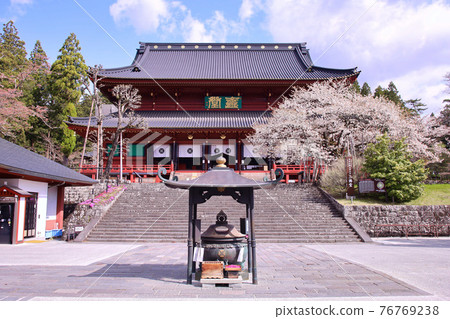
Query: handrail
(139, 177)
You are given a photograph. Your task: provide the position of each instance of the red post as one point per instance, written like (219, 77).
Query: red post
(60, 207)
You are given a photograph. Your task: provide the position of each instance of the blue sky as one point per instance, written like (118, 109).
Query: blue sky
(407, 41)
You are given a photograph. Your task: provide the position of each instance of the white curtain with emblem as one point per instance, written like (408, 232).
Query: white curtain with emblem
(249, 151)
(229, 149)
(190, 150)
(161, 150)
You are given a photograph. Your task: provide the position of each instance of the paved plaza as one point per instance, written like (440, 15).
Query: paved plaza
(388, 269)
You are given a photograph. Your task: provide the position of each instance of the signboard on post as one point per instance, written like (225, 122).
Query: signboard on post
(350, 180)
(372, 186)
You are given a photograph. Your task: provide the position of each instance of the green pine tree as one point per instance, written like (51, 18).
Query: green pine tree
(365, 90)
(13, 64)
(68, 139)
(36, 93)
(68, 73)
(379, 92)
(391, 94)
(356, 87)
(391, 161)
(415, 107)
(13, 55)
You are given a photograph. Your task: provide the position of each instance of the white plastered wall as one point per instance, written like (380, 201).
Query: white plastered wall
(21, 219)
(42, 189)
(52, 197)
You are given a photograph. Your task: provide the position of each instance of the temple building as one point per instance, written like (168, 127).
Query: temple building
(200, 101)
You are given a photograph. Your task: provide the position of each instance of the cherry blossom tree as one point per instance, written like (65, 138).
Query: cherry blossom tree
(127, 100)
(13, 113)
(328, 119)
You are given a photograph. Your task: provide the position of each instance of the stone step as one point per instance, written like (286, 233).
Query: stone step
(315, 230)
(184, 236)
(280, 226)
(285, 214)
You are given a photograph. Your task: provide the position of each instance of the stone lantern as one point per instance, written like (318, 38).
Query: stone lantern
(221, 181)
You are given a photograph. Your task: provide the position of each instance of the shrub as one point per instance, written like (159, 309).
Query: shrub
(391, 161)
(334, 180)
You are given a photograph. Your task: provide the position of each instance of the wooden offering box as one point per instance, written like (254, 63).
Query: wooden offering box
(232, 271)
(212, 270)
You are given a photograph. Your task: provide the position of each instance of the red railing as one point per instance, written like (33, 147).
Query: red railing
(305, 171)
(292, 172)
(91, 170)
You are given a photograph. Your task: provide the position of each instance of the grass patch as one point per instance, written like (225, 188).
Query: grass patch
(438, 194)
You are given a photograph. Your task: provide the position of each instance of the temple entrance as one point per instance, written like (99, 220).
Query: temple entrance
(6, 222)
(159, 154)
(30, 216)
(189, 157)
(252, 160)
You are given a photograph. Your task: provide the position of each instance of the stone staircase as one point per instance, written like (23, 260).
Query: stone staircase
(286, 214)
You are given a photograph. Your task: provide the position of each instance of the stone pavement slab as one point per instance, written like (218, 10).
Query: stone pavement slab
(421, 262)
(148, 271)
(54, 252)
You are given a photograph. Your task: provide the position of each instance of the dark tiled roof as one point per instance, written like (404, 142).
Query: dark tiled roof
(249, 61)
(19, 160)
(190, 119)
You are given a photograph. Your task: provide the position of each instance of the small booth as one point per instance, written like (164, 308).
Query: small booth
(221, 250)
(12, 214)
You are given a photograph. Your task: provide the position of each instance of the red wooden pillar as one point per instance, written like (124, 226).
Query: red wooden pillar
(60, 207)
(239, 155)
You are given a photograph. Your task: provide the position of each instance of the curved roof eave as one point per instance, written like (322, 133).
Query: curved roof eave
(240, 79)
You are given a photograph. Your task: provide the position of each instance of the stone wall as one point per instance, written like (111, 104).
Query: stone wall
(424, 218)
(76, 195)
(369, 216)
(76, 215)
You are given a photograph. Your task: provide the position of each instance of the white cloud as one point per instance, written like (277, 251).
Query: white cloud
(173, 17)
(215, 29)
(194, 30)
(248, 8)
(18, 8)
(16, 2)
(398, 27)
(427, 84)
(391, 40)
(143, 15)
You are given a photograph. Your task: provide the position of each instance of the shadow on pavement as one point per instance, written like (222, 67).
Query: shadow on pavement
(175, 273)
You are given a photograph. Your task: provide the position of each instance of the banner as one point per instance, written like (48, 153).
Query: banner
(350, 180)
(248, 151)
(223, 149)
(190, 150)
(161, 150)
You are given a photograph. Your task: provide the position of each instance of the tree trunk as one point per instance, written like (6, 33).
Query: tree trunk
(100, 151)
(87, 132)
(115, 142)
